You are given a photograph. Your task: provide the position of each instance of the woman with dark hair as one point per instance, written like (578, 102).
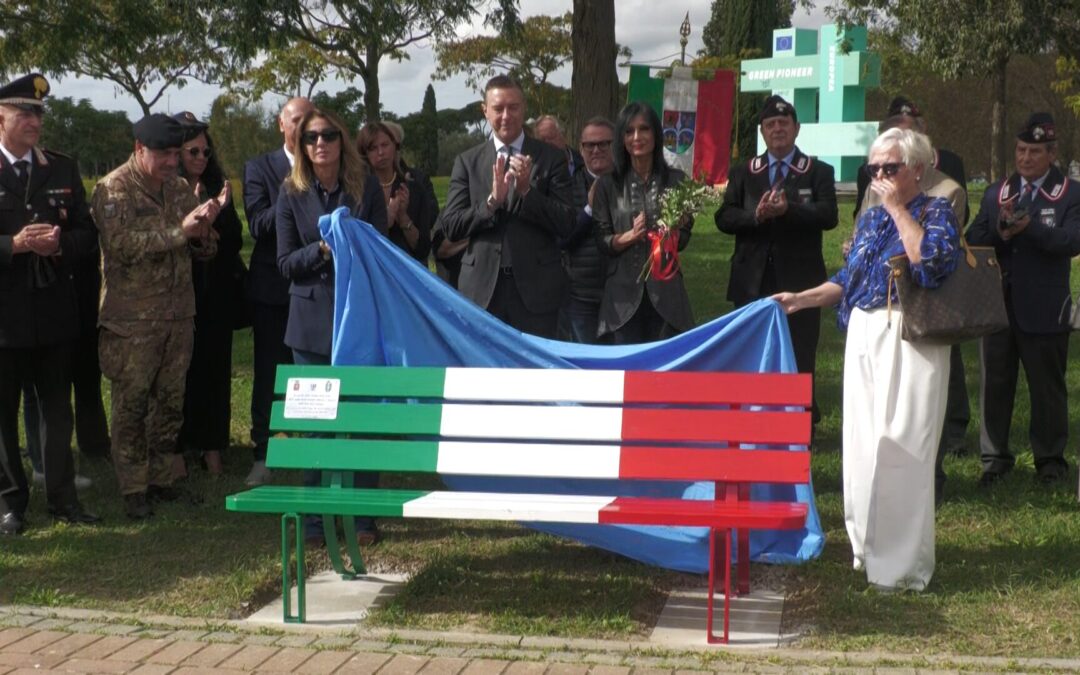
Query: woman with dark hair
(208, 393)
(411, 207)
(327, 174)
(626, 207)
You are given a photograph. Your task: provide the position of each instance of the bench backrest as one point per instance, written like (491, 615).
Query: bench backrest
(551, 423)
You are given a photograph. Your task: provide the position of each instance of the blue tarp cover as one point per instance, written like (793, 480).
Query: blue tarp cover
(390, 310)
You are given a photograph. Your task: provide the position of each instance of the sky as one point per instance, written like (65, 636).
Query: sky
(649, 28)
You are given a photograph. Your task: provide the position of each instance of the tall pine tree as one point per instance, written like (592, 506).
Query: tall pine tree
(427, 142)
(743, 29)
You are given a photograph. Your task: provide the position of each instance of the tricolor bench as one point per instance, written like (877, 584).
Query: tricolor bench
(537, 423)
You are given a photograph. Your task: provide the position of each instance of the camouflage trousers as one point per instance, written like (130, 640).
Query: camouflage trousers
(146, 362)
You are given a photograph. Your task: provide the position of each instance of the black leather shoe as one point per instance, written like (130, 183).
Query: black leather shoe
(135, 506)
(1048, 474)
(11, 523)
(155, 494)
(75, 515)
(988, 478)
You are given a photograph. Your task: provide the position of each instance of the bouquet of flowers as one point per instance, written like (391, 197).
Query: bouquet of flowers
(680, 201)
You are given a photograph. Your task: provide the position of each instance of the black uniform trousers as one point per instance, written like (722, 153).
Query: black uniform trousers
(48, 369)
(1044, 357)
(268, 324)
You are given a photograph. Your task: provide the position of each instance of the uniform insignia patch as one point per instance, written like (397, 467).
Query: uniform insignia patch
(1047, 217)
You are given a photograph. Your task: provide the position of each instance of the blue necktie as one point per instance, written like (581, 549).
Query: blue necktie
(780, 172)
(1025, 198)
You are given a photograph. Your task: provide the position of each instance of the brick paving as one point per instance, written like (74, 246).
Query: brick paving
(39, 641)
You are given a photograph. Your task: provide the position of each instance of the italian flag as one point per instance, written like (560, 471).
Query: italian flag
(696, 117)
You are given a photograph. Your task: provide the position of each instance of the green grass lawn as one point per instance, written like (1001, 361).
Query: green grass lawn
(1007, 579)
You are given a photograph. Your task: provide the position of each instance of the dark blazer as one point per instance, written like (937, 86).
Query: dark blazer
(793, 240)
(945, 161)
(38, 300)
(1035, 263)
(423, 210)
(262, 182)
(586, 266)
(532, 226)
(614, 210)
(311, 278)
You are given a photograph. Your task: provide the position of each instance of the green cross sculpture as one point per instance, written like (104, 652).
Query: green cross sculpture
(827, 88)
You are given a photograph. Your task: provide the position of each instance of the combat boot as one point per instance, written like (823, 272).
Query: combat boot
(136, 507)
(156, 494)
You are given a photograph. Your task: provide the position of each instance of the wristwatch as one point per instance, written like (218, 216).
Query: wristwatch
(491, 204)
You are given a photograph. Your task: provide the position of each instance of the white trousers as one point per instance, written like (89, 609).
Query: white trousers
(894, 407)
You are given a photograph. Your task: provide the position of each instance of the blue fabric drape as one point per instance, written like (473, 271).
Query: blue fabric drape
(390, 310)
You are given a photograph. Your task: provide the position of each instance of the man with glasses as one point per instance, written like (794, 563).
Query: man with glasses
(1032, 219)
(150, 225)
(585, 265)
(45, 231)
(778, 205)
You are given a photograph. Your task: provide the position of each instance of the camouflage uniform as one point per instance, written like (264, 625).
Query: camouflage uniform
(146, 318)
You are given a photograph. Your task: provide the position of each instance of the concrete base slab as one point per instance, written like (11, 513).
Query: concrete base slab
(755, 619)
(333, 601)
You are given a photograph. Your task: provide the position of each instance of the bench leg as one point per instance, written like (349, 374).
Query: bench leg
(743, 537)
(353, 546)
(286, 590)
(715, 560)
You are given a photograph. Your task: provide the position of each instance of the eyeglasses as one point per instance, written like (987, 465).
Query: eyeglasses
(890, 169)
(589, 146)
(194, 152)
(328, 136)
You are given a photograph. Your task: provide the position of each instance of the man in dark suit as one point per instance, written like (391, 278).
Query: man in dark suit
(1032, 219)
(548, 129)
(777, 205)
(269, 290)
(45, 230)
(511, 196)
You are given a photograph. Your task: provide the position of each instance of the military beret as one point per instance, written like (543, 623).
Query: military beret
(1038, 129)
(25, 92)
(192, 125)
(902, 106)
(158, 132)
(776, 106)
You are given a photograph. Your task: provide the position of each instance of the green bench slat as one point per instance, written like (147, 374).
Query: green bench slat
(370, 380)
(353, 454)
(316, 500)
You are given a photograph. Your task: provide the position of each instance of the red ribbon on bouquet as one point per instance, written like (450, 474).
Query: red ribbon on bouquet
(663, 254)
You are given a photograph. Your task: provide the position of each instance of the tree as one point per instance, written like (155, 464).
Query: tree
(346, 105)
(241, 131)
(742, 29)
(354, 36)
(530, 57)
(98, 140)
(288, 72)
(144, 47)
(967, 37)
(426, 145)
(594, 85)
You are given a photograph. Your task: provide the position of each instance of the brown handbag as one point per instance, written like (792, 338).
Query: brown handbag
(968, 304)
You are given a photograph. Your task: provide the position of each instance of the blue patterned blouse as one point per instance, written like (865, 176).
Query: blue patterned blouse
(865, 277)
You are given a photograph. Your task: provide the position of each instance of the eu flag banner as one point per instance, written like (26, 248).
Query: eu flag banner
(696, 117)
(390, 310)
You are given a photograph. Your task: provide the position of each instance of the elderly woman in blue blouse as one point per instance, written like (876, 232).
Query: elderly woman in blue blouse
(894, 391)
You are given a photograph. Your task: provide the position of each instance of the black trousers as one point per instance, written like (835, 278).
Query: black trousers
(48, 369)
(268, 324)
(957, 414)
(645, 325)
(1044, 358)
(506, 305)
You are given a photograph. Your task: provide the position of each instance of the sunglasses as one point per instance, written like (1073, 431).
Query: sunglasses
(589, 146)
(890, 169)
(328, 136)
(195, 152)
